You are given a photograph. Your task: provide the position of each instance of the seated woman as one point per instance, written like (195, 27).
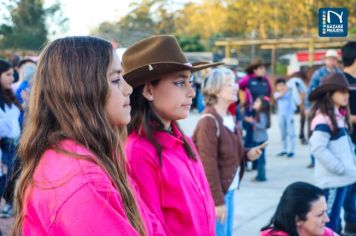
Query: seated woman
(302, 211)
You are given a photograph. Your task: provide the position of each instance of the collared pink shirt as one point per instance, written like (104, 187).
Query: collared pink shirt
(177, 191)
(72, 196)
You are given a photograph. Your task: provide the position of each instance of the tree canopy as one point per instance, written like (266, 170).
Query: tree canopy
(213, 19)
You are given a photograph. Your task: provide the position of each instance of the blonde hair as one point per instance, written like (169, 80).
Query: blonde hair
(214, 83)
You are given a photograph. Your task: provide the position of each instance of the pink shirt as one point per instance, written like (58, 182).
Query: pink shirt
(72, 196)
(269, 232)
(177, 191)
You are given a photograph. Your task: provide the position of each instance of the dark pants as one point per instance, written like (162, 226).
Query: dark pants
(9, 158)
(261, 165)
(302, 125)
(11, 177)
(335, 198)
(248, 140)
(350, 205)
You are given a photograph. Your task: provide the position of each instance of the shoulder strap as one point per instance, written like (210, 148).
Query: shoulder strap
(216, 122)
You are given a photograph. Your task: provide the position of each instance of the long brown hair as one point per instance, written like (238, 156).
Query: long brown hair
(6, 95)
(325, 106)
(145, 119)
(67, 101)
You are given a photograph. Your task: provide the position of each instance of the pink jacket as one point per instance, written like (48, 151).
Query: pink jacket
(72, 196)
(177, 191)
(269, 232)
(243, 84)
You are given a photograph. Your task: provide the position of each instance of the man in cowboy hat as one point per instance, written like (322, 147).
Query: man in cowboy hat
(331, 59)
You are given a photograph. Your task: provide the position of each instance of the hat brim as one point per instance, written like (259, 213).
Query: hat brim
(321, 90)
(147, 73)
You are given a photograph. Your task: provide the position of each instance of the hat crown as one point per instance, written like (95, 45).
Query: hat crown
(153, 50)
(331, 53)
(336, 79)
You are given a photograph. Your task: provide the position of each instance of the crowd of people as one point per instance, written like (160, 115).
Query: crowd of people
(90, 143)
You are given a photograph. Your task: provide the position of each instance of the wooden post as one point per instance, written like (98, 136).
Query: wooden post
(273, 60)
(227, 51)
(311, 51)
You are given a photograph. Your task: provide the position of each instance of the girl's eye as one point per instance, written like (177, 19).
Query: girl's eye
(115, 81)
(179, 84)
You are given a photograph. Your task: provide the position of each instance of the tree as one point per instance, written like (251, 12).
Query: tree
(191, 43)
(146, 18)
(26, 27)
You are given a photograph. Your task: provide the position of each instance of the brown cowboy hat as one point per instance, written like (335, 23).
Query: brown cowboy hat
(153, 57)
(254, 64)
(331, 82)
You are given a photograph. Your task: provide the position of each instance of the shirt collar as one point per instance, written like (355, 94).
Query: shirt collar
(169, 140)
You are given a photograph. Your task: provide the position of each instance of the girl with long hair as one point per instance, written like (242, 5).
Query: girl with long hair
(331, 144)
(74, 179)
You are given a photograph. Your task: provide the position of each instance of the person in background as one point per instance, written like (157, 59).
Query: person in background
(14, 60)
(261, 107)
(301, 211)
(331, 66)
(296, 81)
(286, 108)
(254, 85)
(10, 131)
(20, 68)
(219, 143)
(23, 92)
(330, 143)
(349, 61)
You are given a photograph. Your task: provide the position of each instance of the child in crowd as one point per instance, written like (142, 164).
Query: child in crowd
(262, 122)
(330, 143)
(286, 108)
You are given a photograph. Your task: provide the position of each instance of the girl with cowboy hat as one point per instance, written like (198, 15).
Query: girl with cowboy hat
(74, 179)
(163, 161)
(331, 144)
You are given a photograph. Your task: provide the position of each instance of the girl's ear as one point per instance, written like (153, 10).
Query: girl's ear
(298, 222)
(147, 92)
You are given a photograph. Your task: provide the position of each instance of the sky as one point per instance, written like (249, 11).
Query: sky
(86, 15)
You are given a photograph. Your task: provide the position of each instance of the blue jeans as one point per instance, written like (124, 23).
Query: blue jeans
(335, 198)
(248, 139)
(350, 205)
(287, 129)
(261, 165)
(226, 228)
